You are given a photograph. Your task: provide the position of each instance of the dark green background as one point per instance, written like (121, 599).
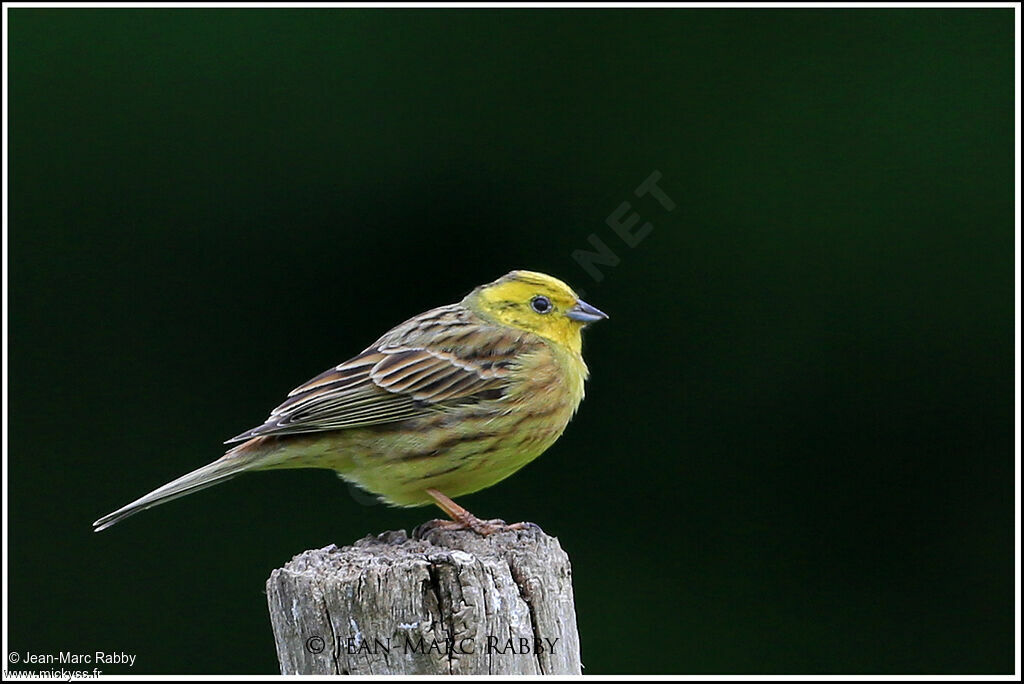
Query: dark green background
(796, 452)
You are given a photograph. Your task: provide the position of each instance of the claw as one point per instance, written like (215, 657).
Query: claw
(461, 519)
(482, 527)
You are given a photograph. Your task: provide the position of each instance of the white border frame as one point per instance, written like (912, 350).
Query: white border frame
(541, 5)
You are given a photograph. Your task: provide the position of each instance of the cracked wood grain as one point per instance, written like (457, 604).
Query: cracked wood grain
(441, 602)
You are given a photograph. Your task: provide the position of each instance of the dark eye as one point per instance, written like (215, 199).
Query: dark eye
(541, 304)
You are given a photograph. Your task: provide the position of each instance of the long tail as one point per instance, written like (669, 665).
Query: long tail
(234, 462)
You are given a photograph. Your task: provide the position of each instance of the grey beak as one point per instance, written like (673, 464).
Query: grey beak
(585, 313)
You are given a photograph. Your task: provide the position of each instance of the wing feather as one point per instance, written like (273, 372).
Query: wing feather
(443, 358)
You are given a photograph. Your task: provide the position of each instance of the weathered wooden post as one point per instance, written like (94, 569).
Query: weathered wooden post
(441, 602)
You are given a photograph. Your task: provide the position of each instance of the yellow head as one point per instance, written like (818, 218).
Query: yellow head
(535, 302)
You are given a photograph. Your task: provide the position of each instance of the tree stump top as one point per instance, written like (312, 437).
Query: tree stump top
(439, 602)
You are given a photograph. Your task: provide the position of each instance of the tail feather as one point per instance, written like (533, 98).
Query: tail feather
(221, 470)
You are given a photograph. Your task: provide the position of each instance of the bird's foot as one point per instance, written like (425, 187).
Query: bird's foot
(461, 519)
(481, 527)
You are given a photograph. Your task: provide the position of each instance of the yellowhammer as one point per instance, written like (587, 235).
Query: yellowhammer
(445, 404)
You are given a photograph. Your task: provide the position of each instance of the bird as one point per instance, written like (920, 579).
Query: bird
(445, 404)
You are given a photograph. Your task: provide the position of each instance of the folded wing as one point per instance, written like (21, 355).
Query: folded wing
(446, 357)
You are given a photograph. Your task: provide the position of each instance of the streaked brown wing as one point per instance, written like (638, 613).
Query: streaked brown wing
(443, 358)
